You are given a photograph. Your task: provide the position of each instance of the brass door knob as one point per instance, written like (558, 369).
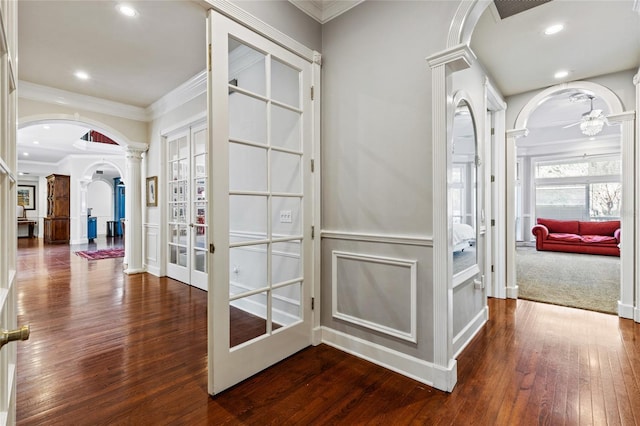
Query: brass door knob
(21, 333)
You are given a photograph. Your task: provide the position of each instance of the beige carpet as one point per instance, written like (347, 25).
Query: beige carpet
(576, 280)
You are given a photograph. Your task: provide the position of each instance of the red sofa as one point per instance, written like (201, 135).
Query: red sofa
(578, 237)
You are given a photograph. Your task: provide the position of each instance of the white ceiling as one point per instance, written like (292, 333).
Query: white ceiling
(600, 37)
(136, 61)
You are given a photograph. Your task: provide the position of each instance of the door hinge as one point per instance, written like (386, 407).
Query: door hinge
(312, 92)
(212, 248)
(493, 222)
(493, 178)
(478, 161)
(493, 131)
(313, 165)
(492, 268)
(313, 303)
(209, 62)
(313, 232)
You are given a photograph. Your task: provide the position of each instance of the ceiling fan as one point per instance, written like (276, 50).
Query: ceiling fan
(591, 122)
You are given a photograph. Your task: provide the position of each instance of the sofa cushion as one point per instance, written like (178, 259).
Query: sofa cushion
(569, 238)
(561, 226)
(599, 239)
(599, 228)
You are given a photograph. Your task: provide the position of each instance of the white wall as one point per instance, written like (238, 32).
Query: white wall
(100, 200)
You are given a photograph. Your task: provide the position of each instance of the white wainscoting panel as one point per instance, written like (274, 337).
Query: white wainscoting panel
(152, 246)
(379, 293)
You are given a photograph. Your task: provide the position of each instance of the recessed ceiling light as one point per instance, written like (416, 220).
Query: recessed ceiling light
(20, 174)
(561, 74)
(82, 75)
(36, 142)
(127, 10)
(553, 29)
(26, 154)
(46, 127)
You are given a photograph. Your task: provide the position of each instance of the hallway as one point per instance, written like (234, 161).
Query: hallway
(108, 348)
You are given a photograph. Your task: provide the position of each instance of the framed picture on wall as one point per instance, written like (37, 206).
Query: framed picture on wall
(152, 191)
(27, 196)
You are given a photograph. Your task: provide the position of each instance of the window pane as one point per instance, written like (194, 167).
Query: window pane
(247, 168)
(605, 200)
(285, 83)
(562, 202)
(246, 67)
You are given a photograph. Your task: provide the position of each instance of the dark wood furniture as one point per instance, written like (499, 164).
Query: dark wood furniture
(57, 223)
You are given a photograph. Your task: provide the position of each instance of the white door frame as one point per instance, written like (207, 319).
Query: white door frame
(617, 115)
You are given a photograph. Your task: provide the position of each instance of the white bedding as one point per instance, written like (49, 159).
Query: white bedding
(463, 235)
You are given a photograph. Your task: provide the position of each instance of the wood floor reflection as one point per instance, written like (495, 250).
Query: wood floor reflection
(107, 348)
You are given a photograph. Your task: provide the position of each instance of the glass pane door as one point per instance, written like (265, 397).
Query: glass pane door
(262, 219)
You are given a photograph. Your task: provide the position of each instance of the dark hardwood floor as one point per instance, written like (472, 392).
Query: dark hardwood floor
(107, 348)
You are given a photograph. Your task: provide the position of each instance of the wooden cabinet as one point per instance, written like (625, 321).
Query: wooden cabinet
(57, 223)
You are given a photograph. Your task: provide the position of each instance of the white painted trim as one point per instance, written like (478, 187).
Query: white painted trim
(465, 20)
(512, 292)
(37, 92)
(462, 339)
(456, 58)
(133, 271)
(316, 219)
(626, 311)
(383, 356)
(426, 241)
(183, 126)
(464, 276)
(325, 10)
(109, 131)
(190, 89)
(154, 270)
(244, 18)
(411, 335)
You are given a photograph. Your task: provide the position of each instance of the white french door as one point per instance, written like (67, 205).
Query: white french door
(188, 205)
(260, 121)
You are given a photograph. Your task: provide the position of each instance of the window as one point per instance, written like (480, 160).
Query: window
(588, 188)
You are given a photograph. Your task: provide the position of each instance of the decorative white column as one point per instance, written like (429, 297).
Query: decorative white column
(84, 231)
(133, 212)
(510, 259)
(443, 64)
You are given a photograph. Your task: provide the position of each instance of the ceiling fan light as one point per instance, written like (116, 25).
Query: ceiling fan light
(591, 126)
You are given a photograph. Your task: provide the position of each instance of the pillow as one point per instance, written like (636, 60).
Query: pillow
(599, 228)
(560, 226)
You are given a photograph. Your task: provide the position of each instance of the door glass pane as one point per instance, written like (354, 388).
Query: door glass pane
(247, 168)
(173, 254)
(183, 148)
(286, 305)
(286, 216)
(200, 260)
(247, 118)
(200, 165)
(285, 128)
(286, 264)
(201, 189)
(285, 83)
(247, 67)
(247, 319)
(182, 256)
(247, 269)
(285, 173)
(247, 218)
(200, 142)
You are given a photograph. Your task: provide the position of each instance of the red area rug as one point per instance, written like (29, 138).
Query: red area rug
(101, 254)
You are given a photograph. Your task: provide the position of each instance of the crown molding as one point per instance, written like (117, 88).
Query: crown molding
(182, 94)
(325, 10)
(37, 92)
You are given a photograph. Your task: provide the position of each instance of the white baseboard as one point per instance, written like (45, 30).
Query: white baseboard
(316, 336)
(153, 270)
(417, 369)
(512, 292)
(636, 316)
(134, 271)
(464, 337)
(625, 311)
